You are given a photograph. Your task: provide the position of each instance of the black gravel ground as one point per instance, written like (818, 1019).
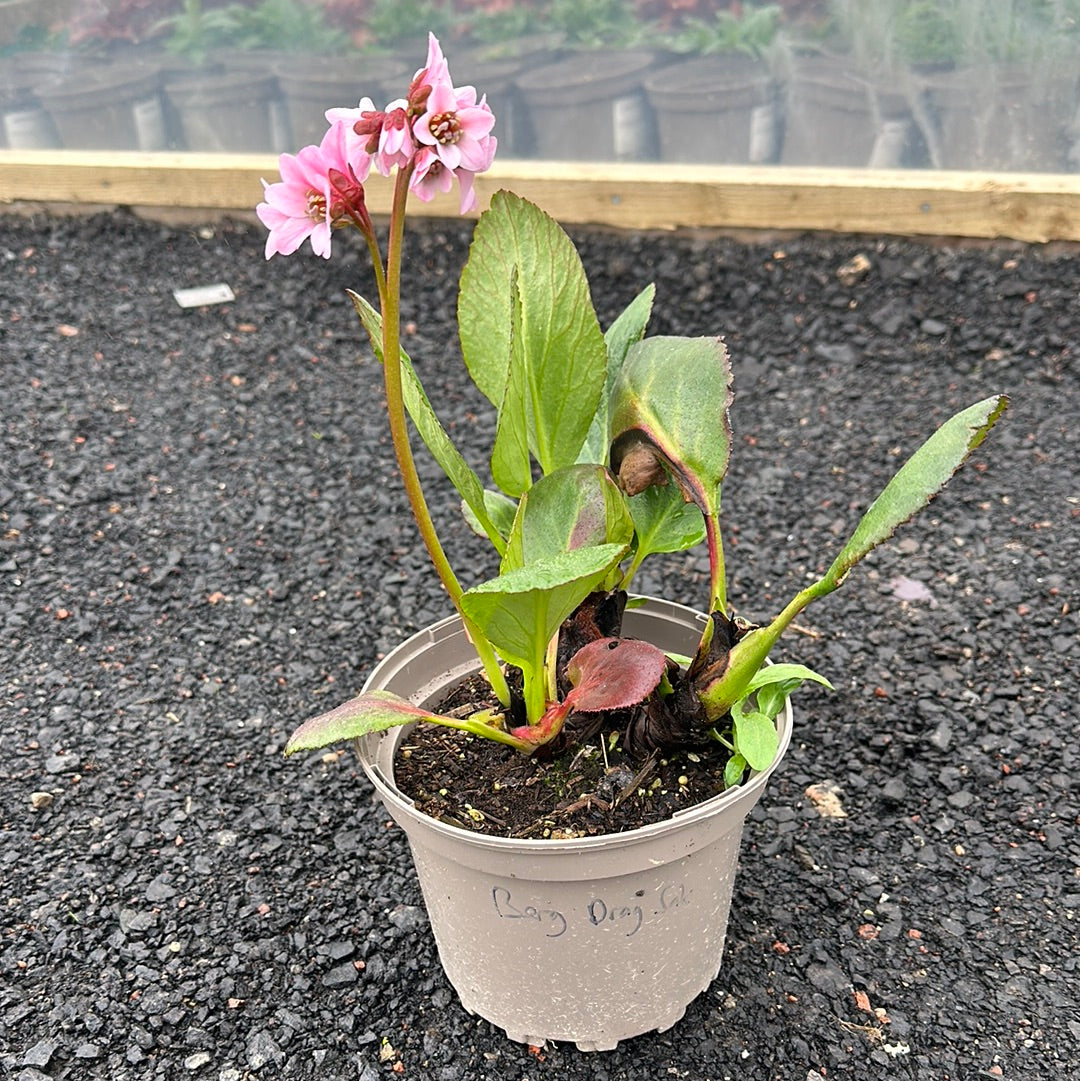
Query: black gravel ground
(201, 540)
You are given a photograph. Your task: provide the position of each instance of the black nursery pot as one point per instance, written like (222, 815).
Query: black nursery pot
(116, 107)
(716, 109)
(592, 107)
(223, 111)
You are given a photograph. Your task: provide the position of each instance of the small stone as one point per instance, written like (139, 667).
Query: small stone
(159, 890)
(894, 790)
(408, 917)
(40, 1053)
(261, 1050)
(941, 737)
(854, 270)
(40, 800)
(196, 1061)
(340, 975)
(933, 327)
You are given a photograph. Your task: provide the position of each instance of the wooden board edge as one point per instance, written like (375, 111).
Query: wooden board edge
(1026, 207)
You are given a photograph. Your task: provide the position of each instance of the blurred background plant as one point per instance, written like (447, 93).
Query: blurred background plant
(285, 25)
(746, 28)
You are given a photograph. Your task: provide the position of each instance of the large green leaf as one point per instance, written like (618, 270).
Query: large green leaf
(511, 467)
(431, 430)
(627, 329)
(918, 480)
(520, 611)
(579, 506)
(561, 355)
(670, 413)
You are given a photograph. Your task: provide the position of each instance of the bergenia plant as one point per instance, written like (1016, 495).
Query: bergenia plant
(609, 446)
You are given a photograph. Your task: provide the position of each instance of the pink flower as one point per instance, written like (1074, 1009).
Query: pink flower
(434, 72)
(319, 189)
(431, 176)
(457, 127)
(355, 143)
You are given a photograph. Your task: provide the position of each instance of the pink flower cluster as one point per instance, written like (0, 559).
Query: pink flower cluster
(437, 133)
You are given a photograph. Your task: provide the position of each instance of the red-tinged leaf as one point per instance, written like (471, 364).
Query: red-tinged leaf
(614, 673)
(371, 712)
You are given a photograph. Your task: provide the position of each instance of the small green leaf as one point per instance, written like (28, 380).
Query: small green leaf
(501, 510)
(520, 611)
(372, 712)
(664, 521)
(919, 479)
(756, 738)
(734, 769)
(781, 673)
(627, 329)
(376, 711)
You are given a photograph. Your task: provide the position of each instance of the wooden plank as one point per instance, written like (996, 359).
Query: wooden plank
(1027, 207)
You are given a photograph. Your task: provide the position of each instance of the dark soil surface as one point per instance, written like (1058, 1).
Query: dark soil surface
(202, 543)
(593, 788)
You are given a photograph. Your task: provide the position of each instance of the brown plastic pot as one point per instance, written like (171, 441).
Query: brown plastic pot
(592, 940)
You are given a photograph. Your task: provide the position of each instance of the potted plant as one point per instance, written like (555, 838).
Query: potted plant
(591, 104)
(720, 106)
(212, 108)
(1008, 99)
(572, 765)
(852, 99)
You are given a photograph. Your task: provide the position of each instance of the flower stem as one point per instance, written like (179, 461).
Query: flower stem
(390, 297)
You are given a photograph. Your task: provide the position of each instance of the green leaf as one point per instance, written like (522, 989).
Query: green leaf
(501, 510)
(550, 379)
(670, 409)
(627, 329)
(734, 769)
(511, 466)
(578, 506)
(664, 521)
(431, 430)
(520, 611)
(919, 479)
(372, 712)
(756, 738)
(782, 673)
(376, 711)
(914, 485)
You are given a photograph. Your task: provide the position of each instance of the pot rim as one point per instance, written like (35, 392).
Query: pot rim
(368, 751)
